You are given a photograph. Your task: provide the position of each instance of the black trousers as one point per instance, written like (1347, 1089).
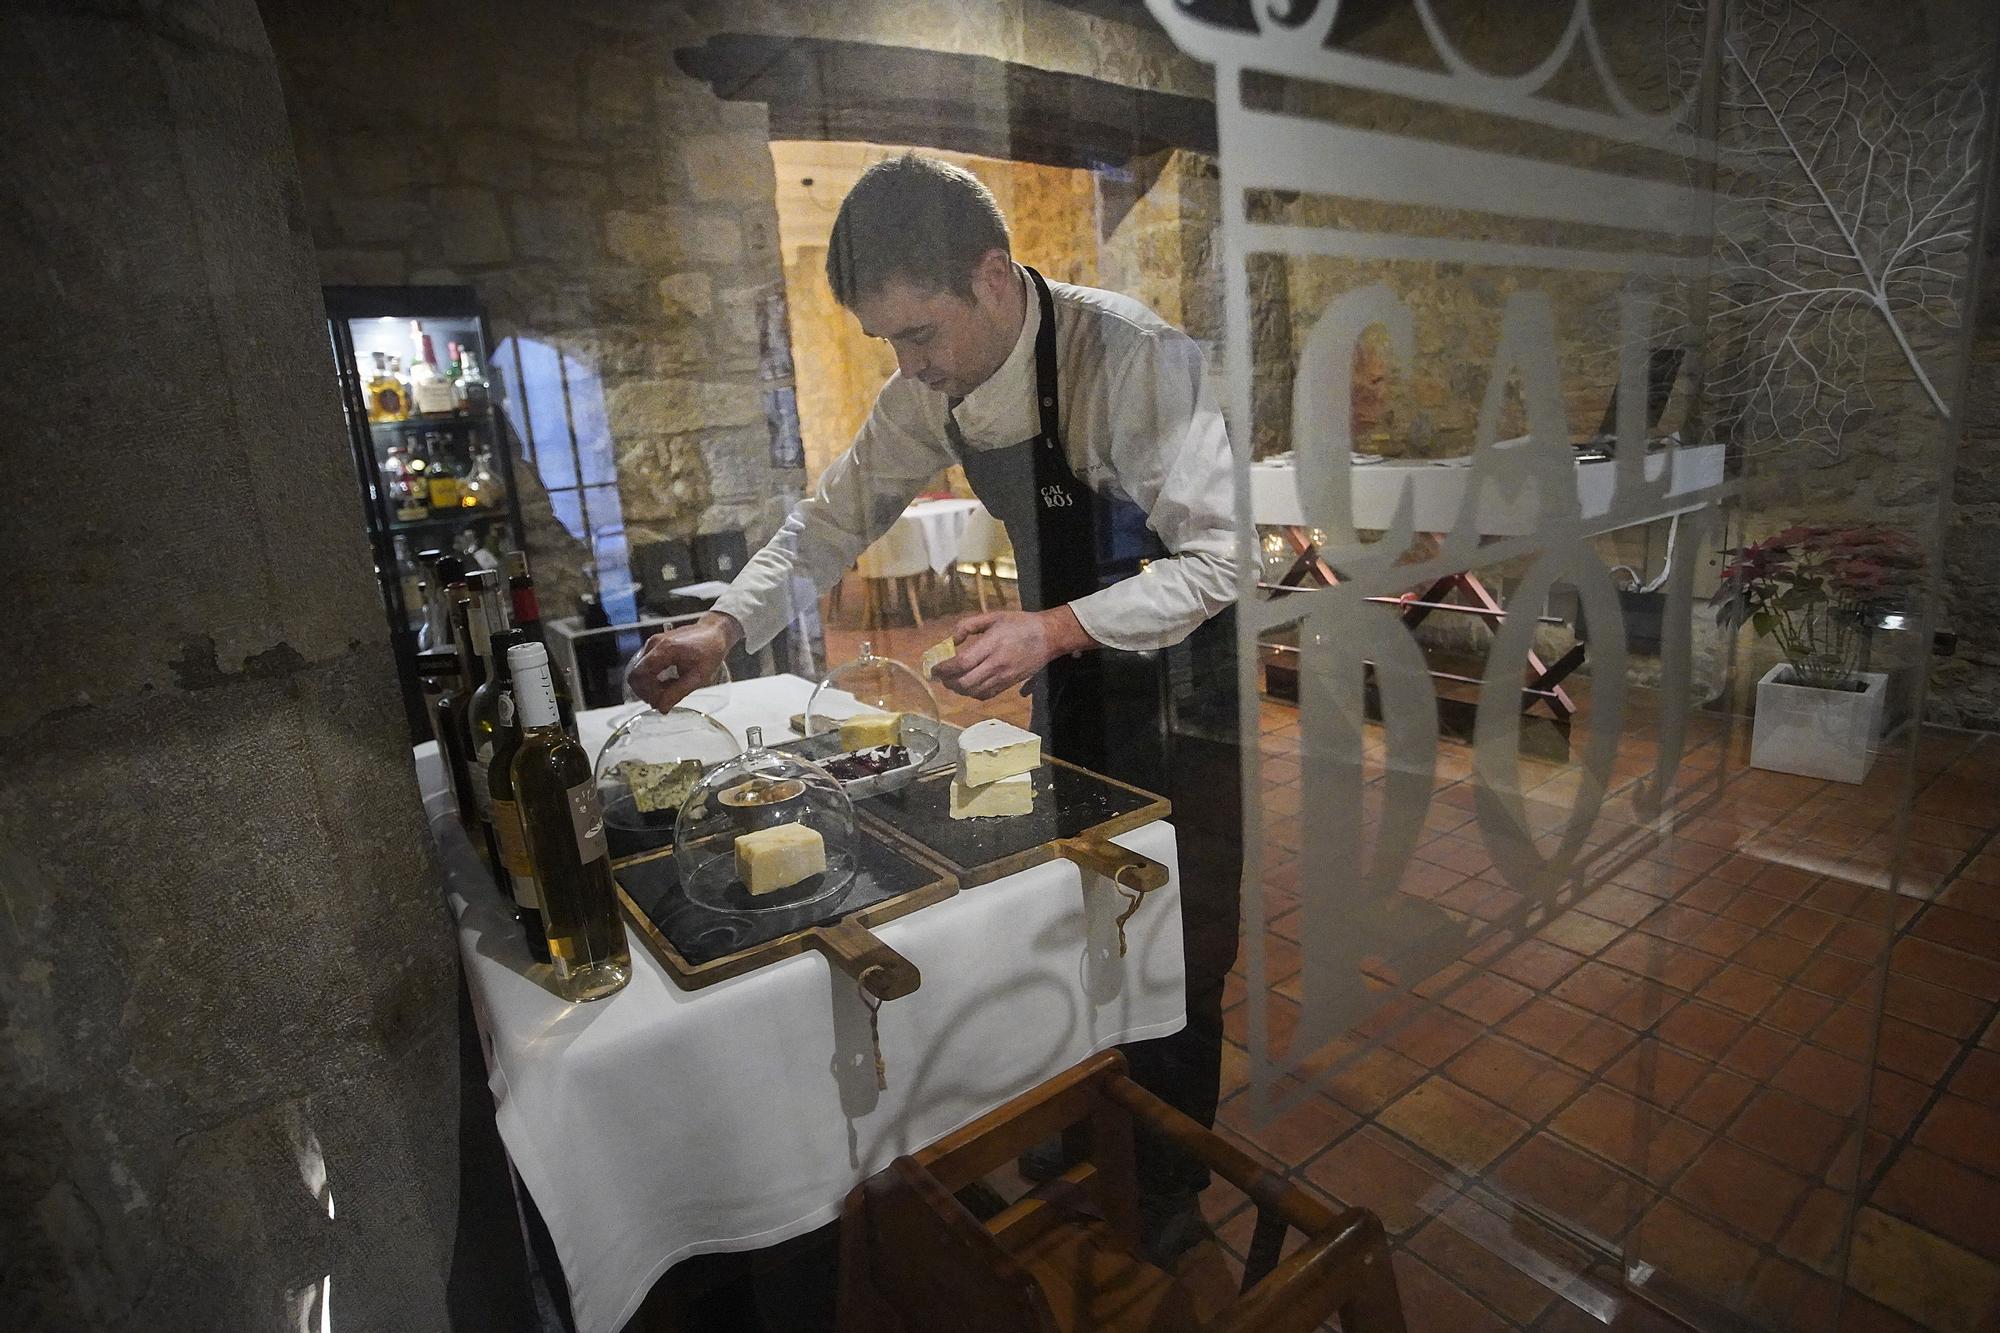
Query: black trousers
(1168, 722)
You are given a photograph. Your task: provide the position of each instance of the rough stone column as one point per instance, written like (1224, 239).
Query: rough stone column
(228, 1050)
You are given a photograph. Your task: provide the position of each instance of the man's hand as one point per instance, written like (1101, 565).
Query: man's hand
(676, 662)
(998, 649)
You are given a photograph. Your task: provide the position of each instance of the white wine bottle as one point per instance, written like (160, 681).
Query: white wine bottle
(500, 740)
(564, 823)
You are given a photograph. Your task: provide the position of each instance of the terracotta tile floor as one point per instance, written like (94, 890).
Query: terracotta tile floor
(1668, 1074)
(1667, 1077)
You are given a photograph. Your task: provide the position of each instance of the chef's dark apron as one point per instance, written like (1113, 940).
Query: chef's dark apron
(1165, 721)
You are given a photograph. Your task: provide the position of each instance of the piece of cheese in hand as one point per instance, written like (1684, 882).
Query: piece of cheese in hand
(1003, 796)
(991, 750)
(864, 731)
(779, 857)
(938, 652)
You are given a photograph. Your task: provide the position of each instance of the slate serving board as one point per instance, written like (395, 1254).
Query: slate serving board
(699, 946)
(1070, 802)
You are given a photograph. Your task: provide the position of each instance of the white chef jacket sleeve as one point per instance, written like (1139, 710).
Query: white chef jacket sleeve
(1170, 454)
(859, 496)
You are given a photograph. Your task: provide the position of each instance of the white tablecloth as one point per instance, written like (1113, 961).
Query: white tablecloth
(942, 523)
(1437, 492)
(661, 1123)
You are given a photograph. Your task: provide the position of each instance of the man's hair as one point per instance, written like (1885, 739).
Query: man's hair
(915, 218)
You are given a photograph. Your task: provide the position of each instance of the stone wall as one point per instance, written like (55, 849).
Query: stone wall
(605, 204)
(229, 988)
(1965, 688)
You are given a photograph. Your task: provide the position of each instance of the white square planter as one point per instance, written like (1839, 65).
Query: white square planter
(1816, 733)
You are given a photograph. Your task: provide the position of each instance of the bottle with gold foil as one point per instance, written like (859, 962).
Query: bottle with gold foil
(564, 824)
(516, 869)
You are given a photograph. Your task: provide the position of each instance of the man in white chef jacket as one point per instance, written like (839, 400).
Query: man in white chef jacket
(1082, 422)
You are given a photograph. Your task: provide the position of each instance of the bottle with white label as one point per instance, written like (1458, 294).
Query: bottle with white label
(563, 821)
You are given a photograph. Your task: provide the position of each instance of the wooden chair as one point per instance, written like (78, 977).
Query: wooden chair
(1065, 1257)
(898, 556)
(983, 545)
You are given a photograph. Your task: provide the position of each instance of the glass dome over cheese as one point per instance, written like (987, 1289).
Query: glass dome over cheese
(876, 701)
(647, 768)
(767, 831)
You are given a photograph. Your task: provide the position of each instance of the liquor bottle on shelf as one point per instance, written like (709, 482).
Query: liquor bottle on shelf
(386, 401)
(449, 719)
(430, 392)
(408, 488)
(528, 619)
(493, 716)
(474, 394)
(471, 550)
(481, 488)
(452, 368)
(442, 477)
(410, 577)
(402, 378)
(564, 824)
(439, 571)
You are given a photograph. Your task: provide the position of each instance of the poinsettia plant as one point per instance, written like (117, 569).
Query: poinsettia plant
(1816, 589)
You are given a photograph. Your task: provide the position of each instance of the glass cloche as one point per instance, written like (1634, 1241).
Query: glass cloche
(647, 768)
(767, 831)
(873, 723)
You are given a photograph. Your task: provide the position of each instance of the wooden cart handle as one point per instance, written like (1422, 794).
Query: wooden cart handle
(857, 951)
(1123, 867)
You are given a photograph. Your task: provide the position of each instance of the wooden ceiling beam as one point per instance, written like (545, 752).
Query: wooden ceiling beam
(836, 90)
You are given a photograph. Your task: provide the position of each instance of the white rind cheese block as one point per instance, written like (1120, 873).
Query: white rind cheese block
(991, 750)
(779, 857)
(865, 731)
(1003, 796)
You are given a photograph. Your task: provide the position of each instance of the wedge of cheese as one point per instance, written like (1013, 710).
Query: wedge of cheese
(991, 750)
(659, 787)
(864, 731)
(1004, 796)
(778, 857)
(938, 652)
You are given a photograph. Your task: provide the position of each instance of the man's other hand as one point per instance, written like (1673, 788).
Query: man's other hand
(1000, 649)
(677, 662)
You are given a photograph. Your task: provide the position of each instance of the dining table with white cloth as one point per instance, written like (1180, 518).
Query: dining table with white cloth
(942, 524)
(659, 1124)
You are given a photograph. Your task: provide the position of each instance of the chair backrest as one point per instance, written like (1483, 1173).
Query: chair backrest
(897, 553)
(720, 555)
(984, 540)
(660, 567)
(930, 1264)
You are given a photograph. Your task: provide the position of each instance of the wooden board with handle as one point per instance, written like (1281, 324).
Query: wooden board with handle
(1076, 814)
(699, 947)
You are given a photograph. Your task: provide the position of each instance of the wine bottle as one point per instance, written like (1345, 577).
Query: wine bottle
(564, 824)
(430, 392)
(441, 478)
(528, 617)
(451, 728)
(493, 712)
(484, 615)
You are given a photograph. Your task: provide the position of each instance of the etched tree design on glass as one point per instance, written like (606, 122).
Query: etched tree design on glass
(1844, 210)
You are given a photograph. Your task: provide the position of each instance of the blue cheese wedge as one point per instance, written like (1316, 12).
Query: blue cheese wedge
(658, 788)
(991, 750)
(1004, 796)
(778, 857)
(865, 731)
